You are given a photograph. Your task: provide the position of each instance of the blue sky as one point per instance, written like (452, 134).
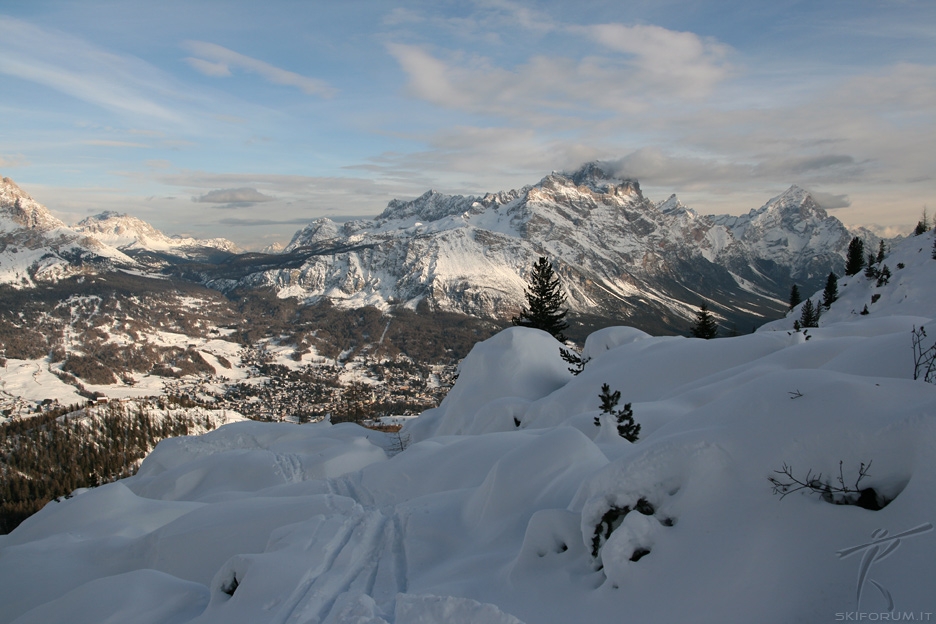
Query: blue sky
(248, 120)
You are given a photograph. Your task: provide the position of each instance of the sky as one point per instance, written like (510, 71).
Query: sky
(248, 120)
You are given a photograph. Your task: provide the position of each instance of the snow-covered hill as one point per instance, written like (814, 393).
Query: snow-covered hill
(510, 505)
(35, 246)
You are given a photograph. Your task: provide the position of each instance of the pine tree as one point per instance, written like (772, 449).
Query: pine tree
(545, 300)
(855, 259)
(881, 251)
(571, 357)
(830, 294)
(884, 276)
(922, 225)
(627, 427)
(871, 271)
(609, 401)
(934, 249)
(705, 325)
(795, 298)
(809, 315)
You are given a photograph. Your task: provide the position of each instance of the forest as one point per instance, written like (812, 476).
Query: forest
(48, 456)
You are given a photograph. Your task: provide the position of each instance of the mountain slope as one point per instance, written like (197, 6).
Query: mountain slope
(35, 246)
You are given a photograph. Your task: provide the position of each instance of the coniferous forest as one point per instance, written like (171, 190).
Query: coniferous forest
(51, 455)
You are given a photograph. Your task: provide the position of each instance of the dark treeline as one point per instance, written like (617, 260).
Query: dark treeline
(44, 457)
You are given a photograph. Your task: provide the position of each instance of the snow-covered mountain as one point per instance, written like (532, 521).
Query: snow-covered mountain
(619, 255)
(793, 232)
(36, 246)
(129, 234)
(509, 505)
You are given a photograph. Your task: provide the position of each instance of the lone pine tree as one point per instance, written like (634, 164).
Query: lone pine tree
(795, 297)
(705, 325)
(830, 294)
(855, 259)
(544, 300)
(809, 315)
(922, 225)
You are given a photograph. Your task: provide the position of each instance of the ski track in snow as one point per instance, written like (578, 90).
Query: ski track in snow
(367, 557)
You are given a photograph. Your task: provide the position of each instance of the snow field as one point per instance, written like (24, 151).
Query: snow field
(552, 520)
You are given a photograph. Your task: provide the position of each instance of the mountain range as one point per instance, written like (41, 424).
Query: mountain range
(621, 258)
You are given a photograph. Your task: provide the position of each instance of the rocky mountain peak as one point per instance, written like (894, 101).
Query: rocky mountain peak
(123, 231)
(797, 203)
(672, 207)
(320, 230)
(600, 177)
(19, 206)
(430, 206)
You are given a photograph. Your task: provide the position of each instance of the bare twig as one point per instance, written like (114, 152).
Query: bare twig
(816, 484)
(924, 360)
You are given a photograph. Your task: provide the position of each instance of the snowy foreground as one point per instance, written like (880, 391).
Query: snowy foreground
(484, 520)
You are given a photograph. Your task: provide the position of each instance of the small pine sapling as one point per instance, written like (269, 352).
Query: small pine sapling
(626, 426)
(609, 401)
(577, 361)
(884, 276)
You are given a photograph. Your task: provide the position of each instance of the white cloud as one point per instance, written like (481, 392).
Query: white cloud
(651, 165)
(13, 160)
(646, 66)
(215, 60)
(82, 70)
(544, 90)
(208, 68)
(679, 63)
(830, 201)
(233, 196)
(107, 143)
